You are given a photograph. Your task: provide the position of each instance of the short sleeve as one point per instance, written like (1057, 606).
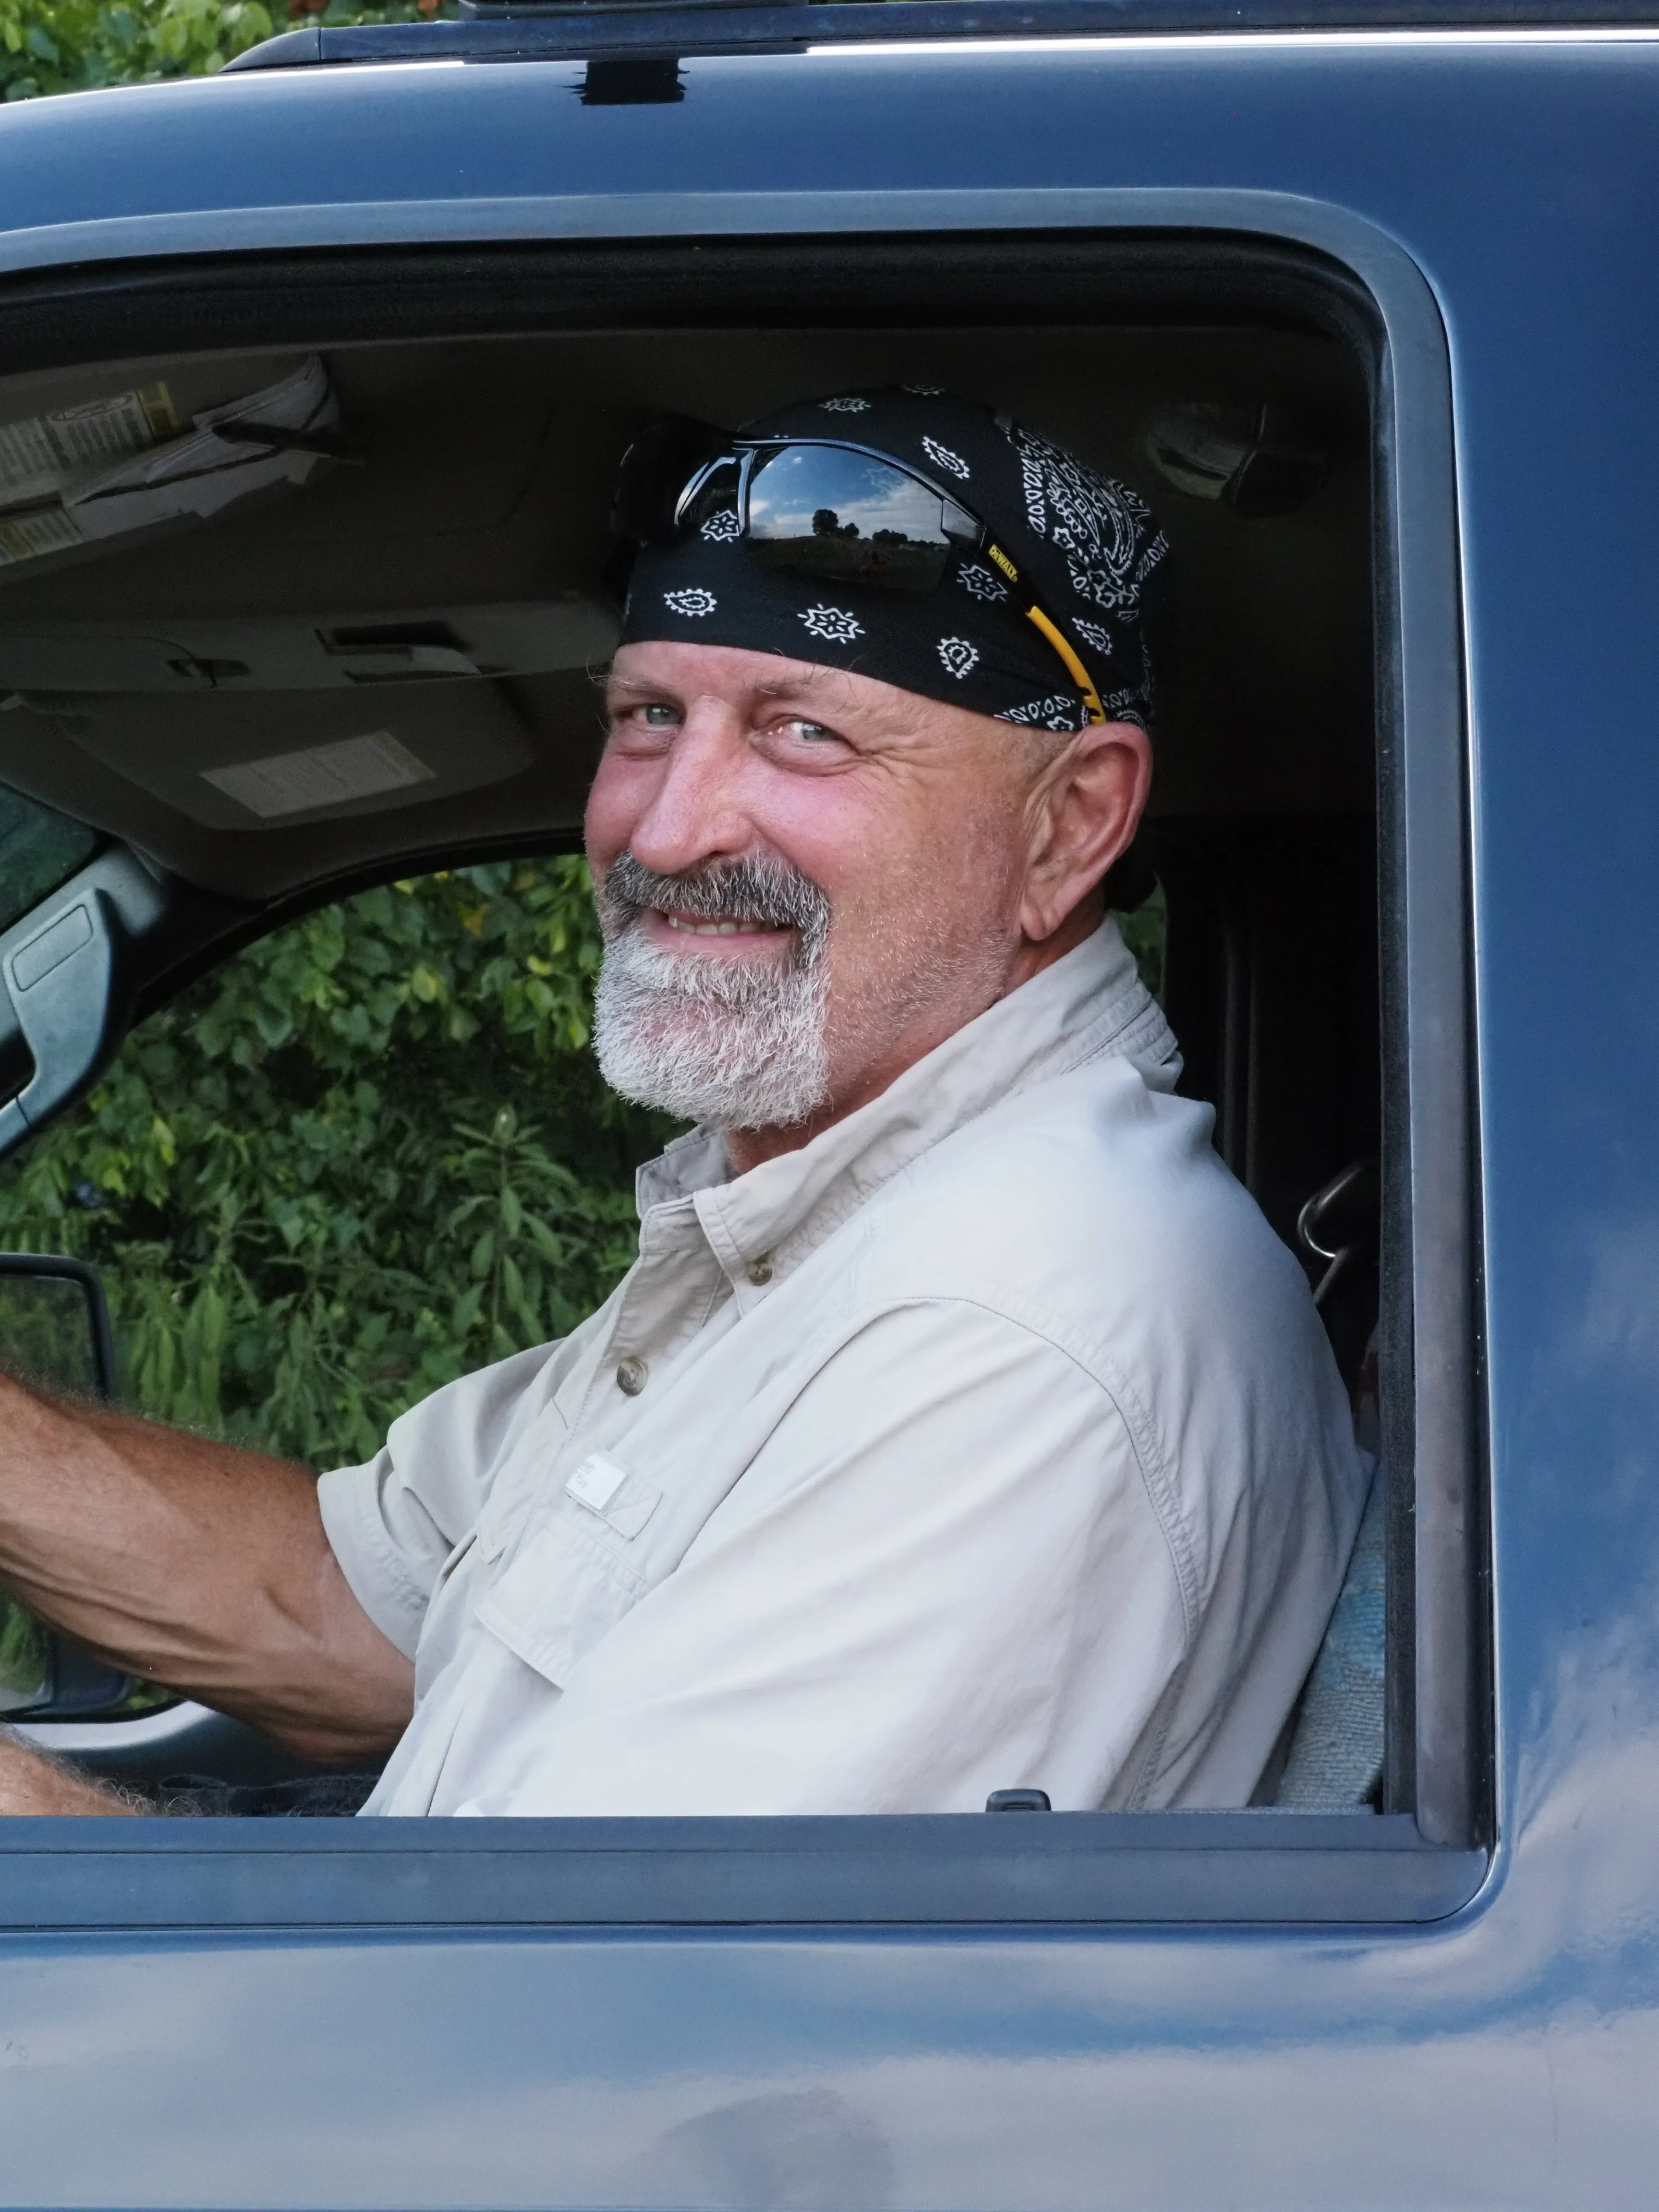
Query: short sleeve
(393, 1521)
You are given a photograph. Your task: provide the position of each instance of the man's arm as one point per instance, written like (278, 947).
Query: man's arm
(195, 1565)
(31, 1783)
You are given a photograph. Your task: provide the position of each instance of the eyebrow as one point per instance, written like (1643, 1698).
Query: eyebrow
(809, 679)
(610, 684)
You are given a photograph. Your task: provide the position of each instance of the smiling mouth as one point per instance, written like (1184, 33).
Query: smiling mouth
(723, 926)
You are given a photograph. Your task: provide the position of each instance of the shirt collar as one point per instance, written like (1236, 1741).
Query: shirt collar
(1091, 1002)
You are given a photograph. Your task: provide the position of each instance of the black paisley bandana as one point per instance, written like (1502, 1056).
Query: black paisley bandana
(1087, 546)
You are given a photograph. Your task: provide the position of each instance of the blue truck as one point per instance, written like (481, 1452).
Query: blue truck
(1362, 295)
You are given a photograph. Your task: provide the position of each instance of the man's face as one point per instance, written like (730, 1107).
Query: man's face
(811, 867)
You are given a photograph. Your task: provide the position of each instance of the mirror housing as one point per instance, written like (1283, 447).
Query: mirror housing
(69, 972)
(54, 1324)
(54, 1330)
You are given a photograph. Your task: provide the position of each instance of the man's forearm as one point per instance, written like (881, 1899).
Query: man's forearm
(196, 1564)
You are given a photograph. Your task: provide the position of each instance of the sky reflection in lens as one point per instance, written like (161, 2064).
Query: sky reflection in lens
(810, 491)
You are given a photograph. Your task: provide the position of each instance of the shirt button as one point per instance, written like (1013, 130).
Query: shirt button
(631, 1375)
(759, 1271)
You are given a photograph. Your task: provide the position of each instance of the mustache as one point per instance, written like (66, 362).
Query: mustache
(761, 889)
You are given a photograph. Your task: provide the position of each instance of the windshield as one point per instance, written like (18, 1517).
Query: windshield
(38, 850)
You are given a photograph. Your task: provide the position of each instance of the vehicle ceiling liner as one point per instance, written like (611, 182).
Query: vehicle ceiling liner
(396, 657)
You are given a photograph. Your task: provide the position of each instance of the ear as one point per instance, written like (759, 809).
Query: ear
(1084, 809)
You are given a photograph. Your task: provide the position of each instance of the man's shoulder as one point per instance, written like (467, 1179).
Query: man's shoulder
(1093, 1208)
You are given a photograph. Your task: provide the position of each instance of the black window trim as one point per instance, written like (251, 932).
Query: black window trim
(964, 1871)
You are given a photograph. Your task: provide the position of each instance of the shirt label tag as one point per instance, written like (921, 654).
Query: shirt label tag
(596, 1482)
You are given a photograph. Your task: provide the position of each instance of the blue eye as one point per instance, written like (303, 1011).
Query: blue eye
(659, 717)
(812, 731)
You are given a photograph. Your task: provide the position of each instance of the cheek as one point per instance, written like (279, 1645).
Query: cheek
(826, 826)
(956, 858)
(621, 792)
(947, 872)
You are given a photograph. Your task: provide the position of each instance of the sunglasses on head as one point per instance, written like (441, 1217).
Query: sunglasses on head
(823, 507)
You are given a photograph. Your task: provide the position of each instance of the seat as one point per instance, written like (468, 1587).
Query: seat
(1334, 1759)
(1330, 1757)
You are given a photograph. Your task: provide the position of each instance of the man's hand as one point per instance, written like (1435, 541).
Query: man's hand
(195, 1564)
(30, 1784)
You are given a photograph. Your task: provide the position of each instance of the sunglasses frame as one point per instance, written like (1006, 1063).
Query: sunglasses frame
(974, 537)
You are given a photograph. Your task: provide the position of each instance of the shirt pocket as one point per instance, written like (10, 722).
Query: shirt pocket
(573, 1578)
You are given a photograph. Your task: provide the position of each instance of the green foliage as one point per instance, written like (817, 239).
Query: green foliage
(24, 1657)
(75, 45)
(365, 1155)
(1146, 930)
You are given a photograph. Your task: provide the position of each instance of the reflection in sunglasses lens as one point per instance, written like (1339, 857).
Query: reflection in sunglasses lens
(829, 512)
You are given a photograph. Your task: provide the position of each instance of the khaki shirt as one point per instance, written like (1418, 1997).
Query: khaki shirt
(991, 1439)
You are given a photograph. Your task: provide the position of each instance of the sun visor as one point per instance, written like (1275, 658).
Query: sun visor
(239, 653)
(271, 760)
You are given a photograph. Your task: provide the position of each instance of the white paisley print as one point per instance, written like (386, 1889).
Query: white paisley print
(1100, 527)
(833, 624)
(959, 657)
(975, 578)
(943, 457)
(720, 529)
(1057, 712)
(846, 405)
(695, 601)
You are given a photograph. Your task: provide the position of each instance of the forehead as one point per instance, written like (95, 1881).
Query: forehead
(733, 673)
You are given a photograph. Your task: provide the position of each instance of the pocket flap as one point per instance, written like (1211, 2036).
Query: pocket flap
(569, 1587)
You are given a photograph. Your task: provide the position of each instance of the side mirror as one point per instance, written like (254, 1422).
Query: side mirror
(54, 1330)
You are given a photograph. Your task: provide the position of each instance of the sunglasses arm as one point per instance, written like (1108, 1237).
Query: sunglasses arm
(1080, 674)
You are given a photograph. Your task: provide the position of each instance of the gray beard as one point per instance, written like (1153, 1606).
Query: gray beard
(707, 1039)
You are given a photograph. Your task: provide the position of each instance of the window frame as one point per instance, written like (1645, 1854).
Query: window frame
(1424, 1857)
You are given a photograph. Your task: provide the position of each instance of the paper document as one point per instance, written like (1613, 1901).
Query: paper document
(103, 470)
(320, 776)
(39, 456)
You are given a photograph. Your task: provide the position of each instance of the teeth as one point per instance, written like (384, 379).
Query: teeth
(709, 928)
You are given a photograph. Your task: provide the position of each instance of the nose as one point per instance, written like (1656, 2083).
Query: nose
(694, 813)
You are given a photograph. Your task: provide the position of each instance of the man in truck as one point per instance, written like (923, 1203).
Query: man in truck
(961, 1425)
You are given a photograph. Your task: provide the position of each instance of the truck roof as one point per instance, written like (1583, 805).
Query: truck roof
(507, 30)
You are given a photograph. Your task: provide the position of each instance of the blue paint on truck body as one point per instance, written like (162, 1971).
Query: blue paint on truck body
(1503, 2055)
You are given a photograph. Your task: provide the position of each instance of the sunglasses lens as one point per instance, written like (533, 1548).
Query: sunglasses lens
(847, 517)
